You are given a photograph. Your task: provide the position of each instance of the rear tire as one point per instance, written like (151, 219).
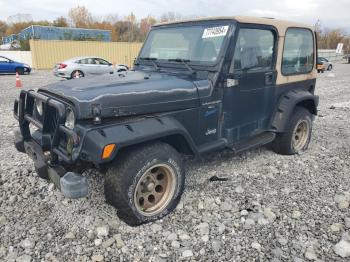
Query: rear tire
(145, 183)
(329, 67)
(297, 136)
(76, 73)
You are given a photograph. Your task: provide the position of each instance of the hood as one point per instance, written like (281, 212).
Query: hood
(15, 63)
(135, 93)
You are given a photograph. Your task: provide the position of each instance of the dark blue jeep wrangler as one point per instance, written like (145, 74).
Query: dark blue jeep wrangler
(196, 86)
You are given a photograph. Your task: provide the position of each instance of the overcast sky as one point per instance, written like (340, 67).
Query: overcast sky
(334, 13)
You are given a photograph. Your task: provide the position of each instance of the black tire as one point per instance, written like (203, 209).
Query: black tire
(72, 75)
(329, 67)
(121, 70)
(20, 70)
(123, 178)
(283, 143)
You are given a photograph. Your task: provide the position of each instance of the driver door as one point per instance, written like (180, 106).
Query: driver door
(249, 96)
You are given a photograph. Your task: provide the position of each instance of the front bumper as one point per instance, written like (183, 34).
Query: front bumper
(44, 144)
(71, 184)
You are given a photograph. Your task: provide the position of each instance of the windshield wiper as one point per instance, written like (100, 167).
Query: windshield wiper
(152, 60)
(183, 61)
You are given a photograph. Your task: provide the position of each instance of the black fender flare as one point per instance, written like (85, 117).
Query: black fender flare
(130, 134)
(286, 106)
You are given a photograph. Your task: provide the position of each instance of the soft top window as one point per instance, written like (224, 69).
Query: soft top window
(254, 49)
(298, 53)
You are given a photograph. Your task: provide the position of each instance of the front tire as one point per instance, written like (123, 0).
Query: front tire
(20, 71)
(145, 183)
(297, 136)
(329, 67)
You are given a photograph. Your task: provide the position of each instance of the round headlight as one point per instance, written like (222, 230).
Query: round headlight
(39, 106)
(70, 118)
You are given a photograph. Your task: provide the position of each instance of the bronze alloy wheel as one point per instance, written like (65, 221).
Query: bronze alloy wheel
(301, 135)
(155, 189)
(145, 183)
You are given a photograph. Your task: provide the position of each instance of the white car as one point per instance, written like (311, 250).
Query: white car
(83, 66)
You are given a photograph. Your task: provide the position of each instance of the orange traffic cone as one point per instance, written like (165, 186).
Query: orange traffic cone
(18, 81)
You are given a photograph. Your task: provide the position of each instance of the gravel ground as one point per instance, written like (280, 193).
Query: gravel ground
(279, 208)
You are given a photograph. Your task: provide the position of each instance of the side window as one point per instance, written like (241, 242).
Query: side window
(83, 61)
(298, 52)
(101, 61)
(90, 61)
(3, 60)
(254, 50)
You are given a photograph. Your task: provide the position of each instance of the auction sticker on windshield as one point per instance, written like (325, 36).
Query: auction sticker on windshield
(215, 31)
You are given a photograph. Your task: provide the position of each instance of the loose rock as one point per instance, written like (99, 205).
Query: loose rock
(310, 254)
(102, 231)
(216, 245)
(256, 246)
(296, 214)
(187, 253)
(342, 248)
(24, 258)
(97, 258)
(239, 190)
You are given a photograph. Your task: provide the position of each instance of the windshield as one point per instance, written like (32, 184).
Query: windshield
(197, 43)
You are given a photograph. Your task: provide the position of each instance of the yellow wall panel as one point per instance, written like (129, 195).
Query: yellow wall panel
(47, 53)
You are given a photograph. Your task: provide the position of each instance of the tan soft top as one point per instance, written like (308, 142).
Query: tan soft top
(281, 25)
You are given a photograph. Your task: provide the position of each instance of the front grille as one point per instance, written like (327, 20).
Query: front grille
(50, 123)
(51, 120)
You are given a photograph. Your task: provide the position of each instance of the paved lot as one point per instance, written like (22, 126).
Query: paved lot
(280, 208)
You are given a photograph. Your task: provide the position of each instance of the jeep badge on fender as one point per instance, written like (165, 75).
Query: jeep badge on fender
(196, 86)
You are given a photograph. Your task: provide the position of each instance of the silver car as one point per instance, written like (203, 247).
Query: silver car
(328, 64)
(83, 66)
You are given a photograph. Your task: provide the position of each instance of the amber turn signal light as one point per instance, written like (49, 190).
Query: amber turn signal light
(108, 150)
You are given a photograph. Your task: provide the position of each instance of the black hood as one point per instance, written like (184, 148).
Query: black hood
(136, 93)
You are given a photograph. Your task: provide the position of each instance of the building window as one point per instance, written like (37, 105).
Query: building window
(298, 53)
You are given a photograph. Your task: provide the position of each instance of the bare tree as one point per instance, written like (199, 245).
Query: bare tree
(111, 18)
(145, 26)
(80, 17)
(329, 38)
(3, 27)
(60, 21)
(170, 17)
